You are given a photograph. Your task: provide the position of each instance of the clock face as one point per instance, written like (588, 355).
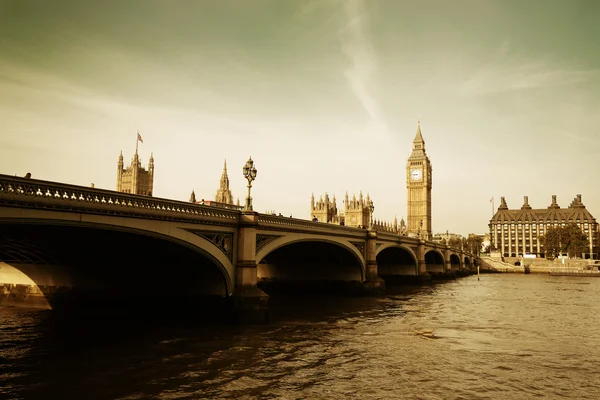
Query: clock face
(416, 174)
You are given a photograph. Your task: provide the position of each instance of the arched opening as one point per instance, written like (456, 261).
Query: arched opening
(434, 262)
(74, 268)
(314, 265)
(396, 262)
(454, 262)
(467, 263)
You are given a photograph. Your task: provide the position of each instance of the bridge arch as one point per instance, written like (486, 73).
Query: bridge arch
(132, 227)
(396, 260)
(434, 261)
(467, 262)
(302, 247)
(454, 261)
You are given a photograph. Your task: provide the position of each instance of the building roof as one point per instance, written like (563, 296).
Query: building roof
(575, 212)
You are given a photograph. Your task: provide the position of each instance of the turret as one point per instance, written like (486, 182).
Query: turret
(120, 172)
(193, 197)
(151, 174)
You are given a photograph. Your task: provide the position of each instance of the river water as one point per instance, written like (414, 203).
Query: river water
(507, 336)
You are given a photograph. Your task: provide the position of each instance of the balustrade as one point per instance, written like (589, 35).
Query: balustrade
(14, 188)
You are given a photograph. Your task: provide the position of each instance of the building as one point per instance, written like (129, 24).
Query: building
(224, 193)
(445, 238)
(356, 211)
(135, 179)
(418, 185)
(517, 232)
(223, 198)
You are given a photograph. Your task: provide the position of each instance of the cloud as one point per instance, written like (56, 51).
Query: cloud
(505, 73)
(363, 60)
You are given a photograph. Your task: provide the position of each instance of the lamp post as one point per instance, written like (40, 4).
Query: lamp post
(250, 175)
(371, 209)
(420, 227)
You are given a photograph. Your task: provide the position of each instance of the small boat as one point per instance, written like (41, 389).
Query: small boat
(590, 270)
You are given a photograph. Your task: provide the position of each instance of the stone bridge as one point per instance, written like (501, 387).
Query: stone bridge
(58, 241)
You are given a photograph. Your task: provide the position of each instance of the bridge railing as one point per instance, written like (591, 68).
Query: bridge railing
(275, 220)
(20, 191)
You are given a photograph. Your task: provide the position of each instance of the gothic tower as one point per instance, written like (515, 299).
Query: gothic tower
(418, 185)
(224, 194)
(135, 179)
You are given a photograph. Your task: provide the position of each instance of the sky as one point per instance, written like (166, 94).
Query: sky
(324, 95)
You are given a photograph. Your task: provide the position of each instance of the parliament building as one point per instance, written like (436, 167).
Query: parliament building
(135, 179)
(517, 232)
(357, 211)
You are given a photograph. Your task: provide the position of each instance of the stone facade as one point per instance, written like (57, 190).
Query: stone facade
(418, 185)
(135, 179)
(517, 232)
(224, 195)
(223, 198)
(356, 211)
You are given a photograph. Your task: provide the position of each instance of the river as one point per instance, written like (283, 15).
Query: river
(506, 336)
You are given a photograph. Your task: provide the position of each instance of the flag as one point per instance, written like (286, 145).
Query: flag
(492, 199)
(140, 138)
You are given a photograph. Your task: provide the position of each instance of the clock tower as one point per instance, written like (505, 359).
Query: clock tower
(418, 185)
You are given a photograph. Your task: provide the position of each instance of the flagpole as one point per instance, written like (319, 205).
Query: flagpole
(137, 141)
(492, 206)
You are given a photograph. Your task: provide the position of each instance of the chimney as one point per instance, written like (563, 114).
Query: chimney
(526, 205)
(553, 205)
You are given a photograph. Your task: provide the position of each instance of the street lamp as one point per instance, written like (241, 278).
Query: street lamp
(371, 208)
(420, 227)
(250, 175)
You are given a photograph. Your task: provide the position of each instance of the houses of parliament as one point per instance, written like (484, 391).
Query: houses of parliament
(135, 179)
(357, 212)
(513, 232)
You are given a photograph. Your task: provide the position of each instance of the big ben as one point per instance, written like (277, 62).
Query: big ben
(418, 185)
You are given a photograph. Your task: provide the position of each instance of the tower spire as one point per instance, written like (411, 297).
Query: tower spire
(224, 193)
(418, 136)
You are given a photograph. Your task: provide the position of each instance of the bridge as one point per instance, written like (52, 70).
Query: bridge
(60, 242)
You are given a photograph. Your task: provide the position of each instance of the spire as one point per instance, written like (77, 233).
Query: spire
(193, 197)
(224, 194)
(418, 136)
(151, 158)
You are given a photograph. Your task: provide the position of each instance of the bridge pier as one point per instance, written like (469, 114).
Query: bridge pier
(422, 274)
(249, 302)
(373, 283)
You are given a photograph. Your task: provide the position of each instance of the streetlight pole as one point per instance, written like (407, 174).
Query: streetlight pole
(250, 174)
(371, 209)
(420, 227)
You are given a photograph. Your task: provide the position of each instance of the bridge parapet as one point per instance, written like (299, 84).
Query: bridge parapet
(23, 192)
(277, 221)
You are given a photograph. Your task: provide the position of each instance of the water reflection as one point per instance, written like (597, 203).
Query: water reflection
(506, 336)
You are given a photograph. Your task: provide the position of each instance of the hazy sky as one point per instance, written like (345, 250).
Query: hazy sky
(324, 95)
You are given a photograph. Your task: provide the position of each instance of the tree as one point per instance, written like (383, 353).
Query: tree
(551, 242)
(455, 242)
(564, 239)
(474, 243)
(575, 240)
